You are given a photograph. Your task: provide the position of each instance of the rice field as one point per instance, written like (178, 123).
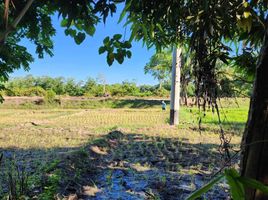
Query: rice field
(38, 135)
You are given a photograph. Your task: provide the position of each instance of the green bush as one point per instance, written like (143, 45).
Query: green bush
(50, 96)
(33, 91)
(2, 93)
(117, 91)
(161, 92)
(30, 92)
(88, 94)
(13, 92)
(190, 90)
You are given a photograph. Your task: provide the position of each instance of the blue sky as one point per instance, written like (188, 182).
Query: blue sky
(83, 61)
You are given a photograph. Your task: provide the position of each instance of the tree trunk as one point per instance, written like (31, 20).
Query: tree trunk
(175, 87)
(185, 99)
(254, 160)
(160, 84)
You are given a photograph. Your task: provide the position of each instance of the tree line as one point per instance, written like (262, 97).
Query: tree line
(95, 87)
(92, 87)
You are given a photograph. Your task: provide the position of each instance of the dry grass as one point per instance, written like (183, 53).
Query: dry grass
(58, 128)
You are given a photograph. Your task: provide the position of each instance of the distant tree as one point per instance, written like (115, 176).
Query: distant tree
(89, 87)
(101, 79)
(49, 83)
(232, 82)
(146, 90)
(58, 85)
(159, 66)
(129, 88)
(72, 88)
(117, 90)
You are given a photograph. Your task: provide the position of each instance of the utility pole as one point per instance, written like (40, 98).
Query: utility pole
(175, 86)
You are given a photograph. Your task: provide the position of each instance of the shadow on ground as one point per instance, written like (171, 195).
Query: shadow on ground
(126, 166)
(138, 103)
(230, 128)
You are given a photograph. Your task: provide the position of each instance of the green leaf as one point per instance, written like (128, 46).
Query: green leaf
(64, 23)
(189, 17)
(134, 30)
(145, 32)
(90, 30)
(129, 54)
(159, 27)
(79, 26)
(200, 12)
(205, 188)
(117, 44)
(127, 45)
(117, 36)
(102, 49)
(248, 182)
(79, 38)
(110, 58)
(122, 15)
(246, 14)
(119, 57)
(66, 32)
(72, 32)
(124, 12)
(237, 189)
(106, 40)
(246, 4)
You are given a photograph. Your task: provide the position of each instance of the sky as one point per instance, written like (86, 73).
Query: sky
(83, 61)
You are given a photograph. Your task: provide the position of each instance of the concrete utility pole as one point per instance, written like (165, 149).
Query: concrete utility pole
(175, 86)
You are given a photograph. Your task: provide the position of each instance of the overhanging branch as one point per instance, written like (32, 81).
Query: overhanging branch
(15, 23)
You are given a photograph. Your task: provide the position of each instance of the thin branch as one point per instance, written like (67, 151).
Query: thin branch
(22, 13)
(235, 76)
(240, 93)
(258, 18)
(16, 21)
(6, 12)
(12, 3)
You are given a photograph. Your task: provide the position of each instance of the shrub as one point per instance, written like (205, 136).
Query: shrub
(161, 92)
(50, 96)
(33, 91)
(13, 92)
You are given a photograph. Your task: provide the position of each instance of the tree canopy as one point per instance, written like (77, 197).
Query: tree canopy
(159, 66)
(207, 26)
(31, 20)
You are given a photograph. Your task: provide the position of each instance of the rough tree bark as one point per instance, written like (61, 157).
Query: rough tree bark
(254, 160)
(175, 86)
